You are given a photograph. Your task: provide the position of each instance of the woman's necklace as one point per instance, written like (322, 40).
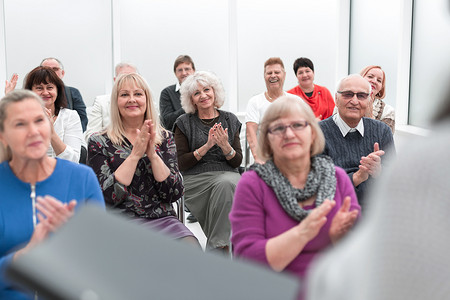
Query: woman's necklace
(211, 121)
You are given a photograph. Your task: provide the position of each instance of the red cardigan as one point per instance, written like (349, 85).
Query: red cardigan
(321, 101)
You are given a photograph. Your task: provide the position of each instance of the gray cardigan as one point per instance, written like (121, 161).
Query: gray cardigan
(197, 134)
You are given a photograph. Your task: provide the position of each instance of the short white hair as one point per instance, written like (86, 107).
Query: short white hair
(190, 85)
(339, 85)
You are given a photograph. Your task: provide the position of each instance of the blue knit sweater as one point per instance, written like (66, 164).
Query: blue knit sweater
(347, 151)
(68, 181)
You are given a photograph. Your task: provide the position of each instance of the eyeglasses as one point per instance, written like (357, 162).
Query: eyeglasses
(349, 95)
(281, 129)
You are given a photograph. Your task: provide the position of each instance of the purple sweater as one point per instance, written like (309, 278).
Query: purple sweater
(257, 216)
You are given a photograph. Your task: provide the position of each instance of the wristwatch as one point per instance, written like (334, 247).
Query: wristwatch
(230, 153)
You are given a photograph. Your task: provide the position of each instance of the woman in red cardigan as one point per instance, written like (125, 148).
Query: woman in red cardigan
(318, 97)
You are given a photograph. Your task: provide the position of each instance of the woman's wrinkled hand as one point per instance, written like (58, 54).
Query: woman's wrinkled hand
(52, 214)
(221, 136)
(311, 225)
(342, 221)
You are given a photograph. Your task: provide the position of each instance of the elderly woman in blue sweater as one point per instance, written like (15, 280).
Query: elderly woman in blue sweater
(39, 193)
(209, 154)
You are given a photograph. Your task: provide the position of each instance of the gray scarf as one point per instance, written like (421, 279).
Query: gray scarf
(321, 182)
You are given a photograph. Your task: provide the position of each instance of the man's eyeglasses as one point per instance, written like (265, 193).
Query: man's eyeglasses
(349, 95)
(281, 129)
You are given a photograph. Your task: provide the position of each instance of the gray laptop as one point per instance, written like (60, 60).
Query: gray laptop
(102, 256)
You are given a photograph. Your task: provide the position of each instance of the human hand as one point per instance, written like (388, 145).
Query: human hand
(141, 142)
(342, 221)
(371, 164)
(11, 84)
(211, 139)
(311, 225)
(261, 162)
(151, 150)
(52, 215)
(221, 136)
(49, 114)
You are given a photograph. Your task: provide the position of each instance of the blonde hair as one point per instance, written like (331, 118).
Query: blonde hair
(13, 97)
(288, 106)
(115, 130)
(190, 85)
(382, 93)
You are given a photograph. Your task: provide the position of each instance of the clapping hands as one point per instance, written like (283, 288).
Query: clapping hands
(52, 214)
(342, 221)
(145, 141)
(371, 164)
(220, 135)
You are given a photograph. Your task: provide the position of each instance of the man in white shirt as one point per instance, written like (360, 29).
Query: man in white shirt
(274, 76)
(98, 116)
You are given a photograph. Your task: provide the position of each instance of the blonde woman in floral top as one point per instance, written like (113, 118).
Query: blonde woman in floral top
(135, 160)
(380, 110)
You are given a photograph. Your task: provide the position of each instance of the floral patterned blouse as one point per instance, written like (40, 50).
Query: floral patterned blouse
(144, 197)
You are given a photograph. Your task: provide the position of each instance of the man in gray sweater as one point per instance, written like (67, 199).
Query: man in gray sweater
(354, 142)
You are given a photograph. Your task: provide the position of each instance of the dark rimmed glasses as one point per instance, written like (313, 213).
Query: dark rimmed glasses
(281, 129)
(347, 95)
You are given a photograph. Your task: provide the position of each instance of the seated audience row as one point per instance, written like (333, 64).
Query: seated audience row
(293, 203)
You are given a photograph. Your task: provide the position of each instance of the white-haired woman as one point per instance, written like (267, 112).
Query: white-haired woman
(297, 203)
(135, 160)
(209, 154)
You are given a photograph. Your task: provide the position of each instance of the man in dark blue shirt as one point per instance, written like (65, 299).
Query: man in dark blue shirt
(73, 95)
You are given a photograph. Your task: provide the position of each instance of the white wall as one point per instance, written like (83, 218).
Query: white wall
(76, 32)
(3, 67)
(375, 40)
(430, 63)
(154, 33)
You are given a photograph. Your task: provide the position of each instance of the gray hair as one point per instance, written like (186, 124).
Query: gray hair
(57, 60)
(190, 85)
(351, 76)
(123, 65)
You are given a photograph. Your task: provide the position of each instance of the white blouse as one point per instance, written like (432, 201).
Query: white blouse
(68, 127)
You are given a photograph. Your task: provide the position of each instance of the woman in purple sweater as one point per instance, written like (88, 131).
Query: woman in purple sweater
(297, 203)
